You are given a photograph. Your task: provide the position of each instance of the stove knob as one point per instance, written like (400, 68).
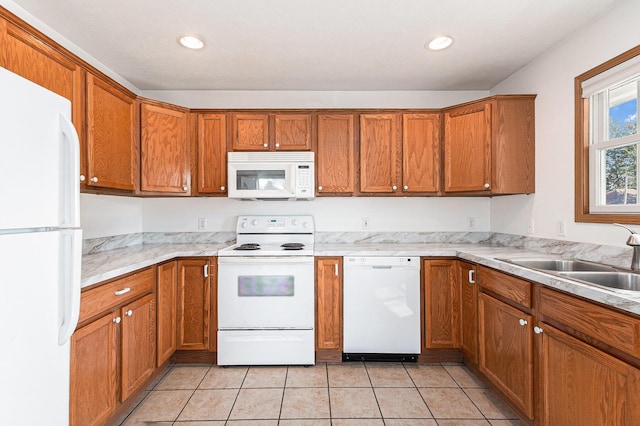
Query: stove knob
(305, 224)
(254, 222)
(243, 224)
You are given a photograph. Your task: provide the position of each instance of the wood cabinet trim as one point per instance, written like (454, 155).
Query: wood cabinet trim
(512, 288)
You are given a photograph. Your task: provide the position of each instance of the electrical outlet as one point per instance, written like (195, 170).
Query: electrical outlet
(561, 228)
(530, 227)
(471, 224)
(202, 224)
(365, 223)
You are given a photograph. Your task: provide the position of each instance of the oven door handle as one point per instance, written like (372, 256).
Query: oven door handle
(265, 260)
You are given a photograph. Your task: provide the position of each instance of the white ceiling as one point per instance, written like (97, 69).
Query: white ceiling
(315, 44)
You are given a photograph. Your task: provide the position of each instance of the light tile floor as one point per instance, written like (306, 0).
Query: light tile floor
(347, 394)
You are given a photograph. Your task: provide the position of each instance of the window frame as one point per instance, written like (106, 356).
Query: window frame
(582, 178)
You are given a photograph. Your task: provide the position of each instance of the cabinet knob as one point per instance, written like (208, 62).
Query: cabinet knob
(185, 188)
(522, 322)
(537, 330)
(487, 186)
(94, 179)
(117, 320)
(277, 145)
(319, 187)
(394, 187)
(222, 188)
(406, 187)
(82, 178)
(129, 313)
(266, 145)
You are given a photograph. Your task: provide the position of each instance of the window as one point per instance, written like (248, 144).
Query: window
(607, 141)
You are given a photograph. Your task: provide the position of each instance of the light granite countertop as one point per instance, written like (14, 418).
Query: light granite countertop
(109, 264)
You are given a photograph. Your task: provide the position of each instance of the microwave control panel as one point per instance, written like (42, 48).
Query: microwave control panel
(304, 180)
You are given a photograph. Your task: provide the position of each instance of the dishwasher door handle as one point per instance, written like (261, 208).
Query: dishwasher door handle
(382, 266)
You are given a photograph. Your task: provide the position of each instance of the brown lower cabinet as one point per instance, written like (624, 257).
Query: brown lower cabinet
(468, 311)
(441, 303)
(329, 307)
(114, 350)
(506, 350)
(196, 305)
(582, 385)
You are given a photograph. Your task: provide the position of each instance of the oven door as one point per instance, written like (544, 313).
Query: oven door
(266, 292)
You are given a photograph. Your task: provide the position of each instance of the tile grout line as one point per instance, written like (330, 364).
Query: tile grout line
(192, 393)
(246, 373)
(284, 386)
(420, 393)
(373, 389)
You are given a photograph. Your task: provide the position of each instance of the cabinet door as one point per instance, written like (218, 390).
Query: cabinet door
(379, 156)
(292, 132)
(212, 153)
(138, 344)
(506, 350)
(249, 132)
(420, 152)
(335, 154)
(468, 312)
(30, 56)
(582, 385)
(94, 381)
(167, 295)
(164, 150)
(441, 304)
(467, 148)
(194, 304)
(111, 138)
(329, 303)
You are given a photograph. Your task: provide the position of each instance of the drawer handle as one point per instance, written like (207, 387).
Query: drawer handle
(522, 322)
(336, 272)
(123, 291)
(206, 270)
(537, 330)
(471, 274)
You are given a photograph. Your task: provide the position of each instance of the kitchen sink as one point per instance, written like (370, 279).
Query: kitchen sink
(617, 280)
(588, 272)
(559, 265)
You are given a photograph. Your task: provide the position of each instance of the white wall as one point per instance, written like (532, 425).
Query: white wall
(551, 76)
(410, 214)
(105, 215)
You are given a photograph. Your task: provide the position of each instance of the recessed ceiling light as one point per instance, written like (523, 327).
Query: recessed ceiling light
(440, 43)
(191, 41)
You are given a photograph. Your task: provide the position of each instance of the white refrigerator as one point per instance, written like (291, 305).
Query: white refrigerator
(40, 251)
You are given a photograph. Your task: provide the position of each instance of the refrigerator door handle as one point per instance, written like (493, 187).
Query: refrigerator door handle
(69, 284)
(70, 164)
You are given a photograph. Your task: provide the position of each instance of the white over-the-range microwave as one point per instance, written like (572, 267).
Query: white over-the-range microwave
(274, 175)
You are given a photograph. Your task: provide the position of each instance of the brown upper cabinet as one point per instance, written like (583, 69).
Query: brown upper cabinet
(292, 132)
(251, 132)
(335, 154)
(111, 136)
(212, 154)
(33, 56)
(420, 152)
(399, 153)
(489, 146)
(379, 153)
(164, 146)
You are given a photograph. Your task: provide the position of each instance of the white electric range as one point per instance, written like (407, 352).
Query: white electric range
(266, 308)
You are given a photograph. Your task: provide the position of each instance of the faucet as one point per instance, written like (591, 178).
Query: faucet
(633, 241)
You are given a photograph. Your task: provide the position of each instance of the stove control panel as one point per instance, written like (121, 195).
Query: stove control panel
(275, 224)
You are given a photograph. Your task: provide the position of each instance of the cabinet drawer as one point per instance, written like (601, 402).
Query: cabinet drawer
(608, 326)
(106, 296)
(512, 288)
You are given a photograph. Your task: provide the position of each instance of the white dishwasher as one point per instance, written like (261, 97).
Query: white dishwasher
(381, 308)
